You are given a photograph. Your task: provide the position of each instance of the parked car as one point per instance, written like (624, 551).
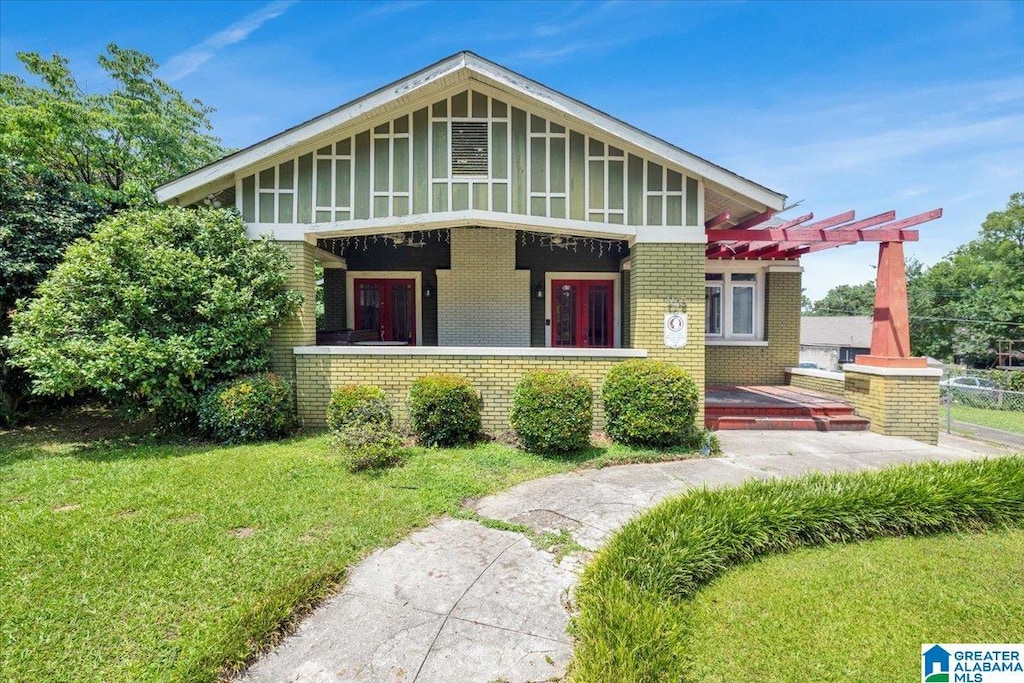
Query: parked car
(972, 391)
(809, 366)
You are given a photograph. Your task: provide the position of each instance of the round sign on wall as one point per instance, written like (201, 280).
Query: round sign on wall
(675, 330)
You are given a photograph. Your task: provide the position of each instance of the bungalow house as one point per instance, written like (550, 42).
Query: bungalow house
(469, 219)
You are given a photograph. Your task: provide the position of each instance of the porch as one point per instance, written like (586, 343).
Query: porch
(778, 407)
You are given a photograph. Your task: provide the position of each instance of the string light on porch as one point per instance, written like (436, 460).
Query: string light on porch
(595, 244)
(412, 239)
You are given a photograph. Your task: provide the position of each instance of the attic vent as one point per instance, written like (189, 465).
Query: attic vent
(469, 148)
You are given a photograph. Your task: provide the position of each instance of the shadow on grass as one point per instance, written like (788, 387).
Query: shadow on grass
(96, 433)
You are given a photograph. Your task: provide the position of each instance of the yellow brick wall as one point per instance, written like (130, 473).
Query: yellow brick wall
(662, 273)
(483, 300)
(495, 377)
(763, 364)
(836, 387)
(299, 329)
(904, 405)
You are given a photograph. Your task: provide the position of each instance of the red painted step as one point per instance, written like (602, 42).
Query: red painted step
(772, 407)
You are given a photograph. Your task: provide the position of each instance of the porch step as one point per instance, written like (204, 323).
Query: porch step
(778, 407)
(850, 423)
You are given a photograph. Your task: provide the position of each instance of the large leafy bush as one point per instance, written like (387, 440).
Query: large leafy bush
(361, 422)
(444, 410)
(650, 403)
(251, 408)
(552, 412)
(154, 308)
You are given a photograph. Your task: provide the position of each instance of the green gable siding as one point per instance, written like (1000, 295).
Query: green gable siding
(532, 165)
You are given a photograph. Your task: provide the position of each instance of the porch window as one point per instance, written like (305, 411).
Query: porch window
(732, 302)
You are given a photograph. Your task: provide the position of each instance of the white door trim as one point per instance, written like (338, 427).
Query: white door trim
(616, 279)
(350, 293)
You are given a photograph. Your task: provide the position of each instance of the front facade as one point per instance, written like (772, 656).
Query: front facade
(468, 219)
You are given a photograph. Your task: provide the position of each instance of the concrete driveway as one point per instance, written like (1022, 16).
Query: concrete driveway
(461, 602)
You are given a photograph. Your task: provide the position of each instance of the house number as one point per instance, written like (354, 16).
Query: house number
(675, 330)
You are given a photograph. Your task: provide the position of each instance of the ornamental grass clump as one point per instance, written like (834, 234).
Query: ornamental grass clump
(361, 422)
(651, 403)
(444, 410)
(250, 408)
(632, 624)
(552, 412)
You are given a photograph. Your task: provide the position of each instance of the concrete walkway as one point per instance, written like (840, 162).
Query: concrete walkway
(458, 602)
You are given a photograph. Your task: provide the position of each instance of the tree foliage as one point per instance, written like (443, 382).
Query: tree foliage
(120, 144)
(153, 308)
(40, 214)
(845, 300)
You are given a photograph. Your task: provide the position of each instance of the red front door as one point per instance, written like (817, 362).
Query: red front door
(582, 313)
(387, 306)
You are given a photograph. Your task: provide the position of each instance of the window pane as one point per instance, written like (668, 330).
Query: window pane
(744, 277)
(743, 310)
(713, 276)
(713, 310)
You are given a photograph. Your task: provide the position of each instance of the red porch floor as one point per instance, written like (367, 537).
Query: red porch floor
(777, 407)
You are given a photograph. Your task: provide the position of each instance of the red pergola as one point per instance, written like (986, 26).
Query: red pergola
(890, 331)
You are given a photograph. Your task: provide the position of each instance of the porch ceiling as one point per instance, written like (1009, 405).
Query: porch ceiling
(763, 236)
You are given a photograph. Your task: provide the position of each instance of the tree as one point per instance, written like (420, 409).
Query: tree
(40, 214)
(153, 308)
(974, 296)
(846, 300)
(120, 144)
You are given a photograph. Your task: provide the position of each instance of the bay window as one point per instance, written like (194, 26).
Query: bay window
(733, 303)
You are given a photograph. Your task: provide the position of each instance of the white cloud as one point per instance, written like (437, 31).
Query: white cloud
(184, 63)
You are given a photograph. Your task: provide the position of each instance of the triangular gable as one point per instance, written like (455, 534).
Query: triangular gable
(263, 165)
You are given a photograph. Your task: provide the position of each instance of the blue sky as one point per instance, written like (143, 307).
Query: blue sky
(870, 106)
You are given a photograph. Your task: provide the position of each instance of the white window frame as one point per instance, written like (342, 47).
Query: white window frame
(727, 284)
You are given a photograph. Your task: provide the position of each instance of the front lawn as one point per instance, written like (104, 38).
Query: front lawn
(1007, 420)
(645, 613)
(857, 612)
(125, 560)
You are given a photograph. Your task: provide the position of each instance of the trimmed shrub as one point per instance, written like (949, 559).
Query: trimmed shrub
(650, 403)
(444, 410)
(552, 412)
(358, 403)
(360, 419)
(248, 408)
(368, 445)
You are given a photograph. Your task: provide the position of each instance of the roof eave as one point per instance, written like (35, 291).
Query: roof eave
(221, 171)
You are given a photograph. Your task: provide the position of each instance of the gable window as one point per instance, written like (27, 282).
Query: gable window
(732, 305)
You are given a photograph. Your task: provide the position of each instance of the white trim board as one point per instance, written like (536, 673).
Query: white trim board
(450, 71)
(616, 279)
(350, 293)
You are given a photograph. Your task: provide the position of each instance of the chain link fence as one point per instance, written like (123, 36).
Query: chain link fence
(989, 398)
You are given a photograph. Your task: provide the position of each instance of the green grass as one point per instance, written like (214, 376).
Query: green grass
(1007, 420)
(857, 612)
(635, 600)
(124, 559)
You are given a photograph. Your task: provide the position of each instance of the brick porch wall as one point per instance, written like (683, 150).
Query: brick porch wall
(494, 376)
(483, 300)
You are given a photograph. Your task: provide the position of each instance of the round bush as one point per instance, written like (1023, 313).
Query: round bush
(358, 403)
(552, 412)
(248, 408)
(444, 410)
(650, 403)
(368, 445)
